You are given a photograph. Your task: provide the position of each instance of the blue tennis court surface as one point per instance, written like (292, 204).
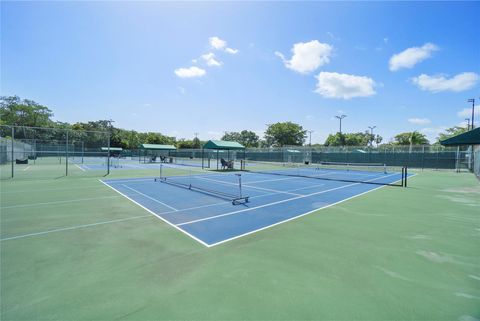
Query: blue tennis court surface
(273, 199)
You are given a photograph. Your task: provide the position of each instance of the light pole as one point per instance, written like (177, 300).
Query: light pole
(340, 117)
(468, 123)
(310, 141)
(472, 100)
(371, 134)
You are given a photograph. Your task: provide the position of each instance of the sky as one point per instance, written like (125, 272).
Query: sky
(210, 67)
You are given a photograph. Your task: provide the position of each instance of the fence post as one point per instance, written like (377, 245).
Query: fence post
(108, 156)
(457, 160)
(66, 154)
(13, 154)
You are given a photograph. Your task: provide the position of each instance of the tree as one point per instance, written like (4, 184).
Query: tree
(337, 139)
(24, 112)
(352, 139)
(413, 138)
(245, 137)
(185, 143)
(450, 132)
(196, 143)
(286, 133)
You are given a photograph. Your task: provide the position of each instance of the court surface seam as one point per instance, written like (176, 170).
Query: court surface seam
(72, 228)
(58, 202)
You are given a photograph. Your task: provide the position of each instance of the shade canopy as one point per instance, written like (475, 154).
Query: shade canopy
(112, 149)
(157, 147)
(223, 144)
(472, 137)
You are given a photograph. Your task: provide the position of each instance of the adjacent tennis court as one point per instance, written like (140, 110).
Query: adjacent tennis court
(215, 208)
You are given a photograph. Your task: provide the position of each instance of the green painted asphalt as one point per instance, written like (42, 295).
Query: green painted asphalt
(73, 249)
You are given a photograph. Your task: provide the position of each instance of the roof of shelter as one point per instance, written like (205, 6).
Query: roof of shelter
(157, 146)
(472, 137)
(222, 144)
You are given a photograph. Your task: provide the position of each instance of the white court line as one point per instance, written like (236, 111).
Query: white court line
(58, 202)
(298, 216)
(153, 199)
(275, 203)
(249, 186)
(72, 228)
(83, 169)
(49, 189)
(157, 215)
(26, 168)
(245, 234)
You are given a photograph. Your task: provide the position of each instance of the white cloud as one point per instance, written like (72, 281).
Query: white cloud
(190, 72)
(211, 60)
(307, 56)
(217, 43)
(419, 121)
(467, 112)
(385, 40)
(433, 132)
(335, 85)
(438, 83)
(309, 117)
(411, 56)
(231, 51)
(221, 44)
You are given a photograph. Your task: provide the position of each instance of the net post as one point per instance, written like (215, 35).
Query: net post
(406, 175)
(13, 154)
(403, 176)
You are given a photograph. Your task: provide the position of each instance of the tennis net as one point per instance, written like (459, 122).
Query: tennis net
(229, 187)
(184, 161)
(378, 174)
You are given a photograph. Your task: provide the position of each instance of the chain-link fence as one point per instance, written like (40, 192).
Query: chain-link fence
(422, 157)
(34, 152)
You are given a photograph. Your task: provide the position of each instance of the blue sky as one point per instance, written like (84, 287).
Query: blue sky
(180, 68)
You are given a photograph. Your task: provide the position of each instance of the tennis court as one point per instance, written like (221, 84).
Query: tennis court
(206, 211)
(101, 163)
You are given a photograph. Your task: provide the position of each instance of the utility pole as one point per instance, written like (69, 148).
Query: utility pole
(371, 134)
(340, 117)
(310, 141)
(472, 100)
(468, 123)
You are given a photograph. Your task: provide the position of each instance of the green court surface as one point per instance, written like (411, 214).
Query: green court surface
(73, 249)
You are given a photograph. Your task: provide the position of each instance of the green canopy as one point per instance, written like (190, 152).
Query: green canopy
(471, 137)
(157, 147)
(223, 144)
(112, 149)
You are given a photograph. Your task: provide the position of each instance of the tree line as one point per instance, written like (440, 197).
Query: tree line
(26, 112)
